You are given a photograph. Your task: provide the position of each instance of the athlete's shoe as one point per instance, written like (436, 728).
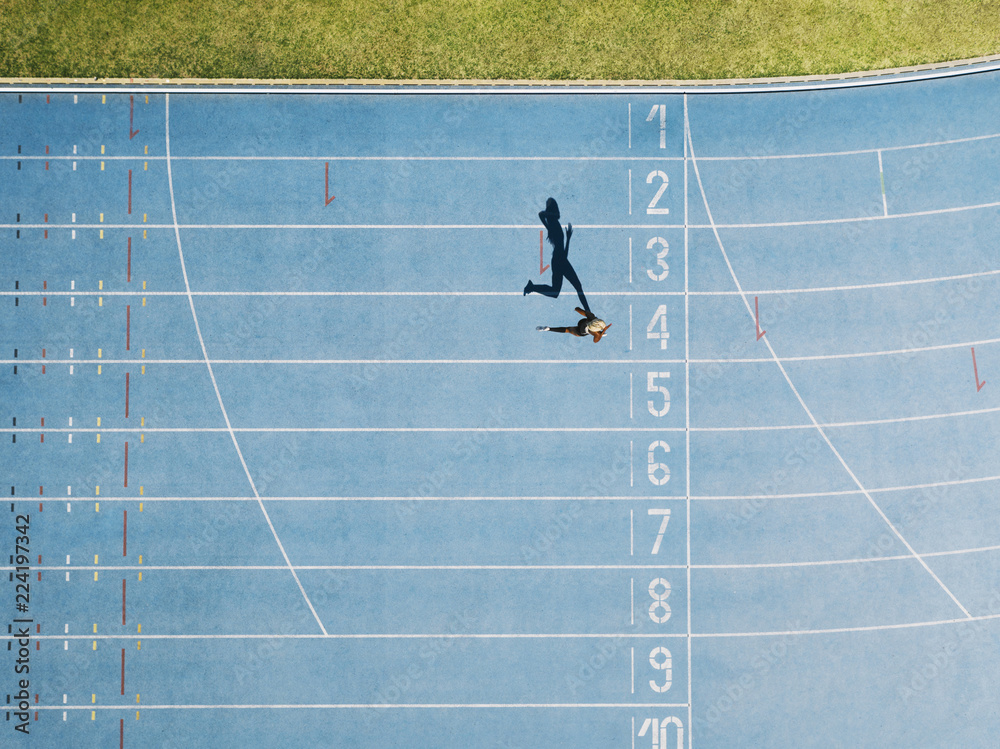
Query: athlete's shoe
(528, 288)
(542, 327)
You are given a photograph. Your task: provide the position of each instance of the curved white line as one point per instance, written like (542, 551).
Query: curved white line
(791, 385)
(842, 630)
(208, 363)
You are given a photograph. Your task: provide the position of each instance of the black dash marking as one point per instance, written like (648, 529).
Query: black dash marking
(15, 369)
(19, 165)
(13, 438)
(19, 218)
(15, 353)
(15, 421)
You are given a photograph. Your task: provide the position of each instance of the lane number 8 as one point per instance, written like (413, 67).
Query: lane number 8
(659, 600)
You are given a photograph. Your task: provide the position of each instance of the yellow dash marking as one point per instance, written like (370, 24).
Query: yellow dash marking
(102, 218)
(140, 629)
(140, 577)
(138, 645)
(140, 510)
(98, 418)
(102, 166)
(93, 699)
(147, 147)
(95, 562)
(98, 372)
(100, 299)
(144, 353)
(102, 149)
(144, 218)
(137, 715)
(142, 438)
(144, 369)
(142, 421)
(147, 101)
(143, 236)
(95, 623)
(137, 699)
(100, 284)
(93, 715)
(102, 233)
(145, 165)
(103, 98)
(144, 301)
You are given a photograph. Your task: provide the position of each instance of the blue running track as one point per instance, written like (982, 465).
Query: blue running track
(289, 464)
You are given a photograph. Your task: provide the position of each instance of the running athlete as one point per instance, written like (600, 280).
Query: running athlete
(589, 325)
(561, 267)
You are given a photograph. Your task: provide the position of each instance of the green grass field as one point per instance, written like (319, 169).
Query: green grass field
(478, 39)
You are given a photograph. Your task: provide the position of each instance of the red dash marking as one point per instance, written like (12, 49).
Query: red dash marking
(46, 234)
(43, 353)
(975, 370)
(46, 101)
(42, 436)
(121, 731)
(46, 165)
(38, 627)
(38, 644)
(39, 561)
(39, 575)
(39, 506)
(43, 421)
(123, 601)
(36, 698)
(36, 715)
(46, 221)
(128, 277)
(123, 665)
(126, 464)
(126, 395)
(124, 535)
(131, 112)
(43, 369)
(329, 197)
(756, 314)
(128, 327)
(542, 267)
(129, 190)
(45, 301)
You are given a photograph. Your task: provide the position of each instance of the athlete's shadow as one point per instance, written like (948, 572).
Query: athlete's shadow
(561, 267)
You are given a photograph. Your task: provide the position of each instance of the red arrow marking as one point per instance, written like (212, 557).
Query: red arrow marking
(131, 113)
(975, 371)
(329, 197)
(542, 267)
(756, 314)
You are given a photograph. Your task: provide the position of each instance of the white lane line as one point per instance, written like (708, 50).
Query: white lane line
(743, 360)
(759, 157)
(366, 706)
(325, 227)
(211, 374)
(819, 428)
(754, 292)
(516, 567)
(761, 225)
(615, 635)
(551, 498)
